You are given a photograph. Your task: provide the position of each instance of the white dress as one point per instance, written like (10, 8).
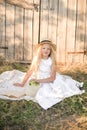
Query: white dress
(47, 94)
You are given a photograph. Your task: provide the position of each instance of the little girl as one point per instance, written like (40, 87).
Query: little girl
(42, 83)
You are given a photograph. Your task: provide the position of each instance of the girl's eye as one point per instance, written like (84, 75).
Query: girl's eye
(43, 48)
(46, 48)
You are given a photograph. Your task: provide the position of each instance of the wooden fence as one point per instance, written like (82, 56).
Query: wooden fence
(24, 25)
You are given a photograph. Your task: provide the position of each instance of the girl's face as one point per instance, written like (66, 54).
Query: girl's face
(45, 50)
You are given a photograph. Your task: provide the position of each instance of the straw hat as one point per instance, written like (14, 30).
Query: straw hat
(47, 42)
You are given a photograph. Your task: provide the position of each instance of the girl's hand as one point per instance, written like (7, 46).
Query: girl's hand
(18, 84)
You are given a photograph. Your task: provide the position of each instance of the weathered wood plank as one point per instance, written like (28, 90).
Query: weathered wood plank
(10, 31)
(22, 3)
(19, 33)
(85, 33)
(71, 26)
(54, 10)
(44, 20)
(80, 30)
(35, 26)
(28, 32)
(62, 25)
(28, 35)
(2, 1)
(2, 30)
(52, 20)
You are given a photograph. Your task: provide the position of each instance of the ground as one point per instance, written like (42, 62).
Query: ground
(70, 114)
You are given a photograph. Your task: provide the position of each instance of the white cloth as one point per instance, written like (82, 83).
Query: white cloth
(47, 94)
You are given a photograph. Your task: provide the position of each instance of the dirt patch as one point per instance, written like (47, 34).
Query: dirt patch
(70, 123)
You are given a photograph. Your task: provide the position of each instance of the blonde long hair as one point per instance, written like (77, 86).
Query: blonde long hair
(37, 57)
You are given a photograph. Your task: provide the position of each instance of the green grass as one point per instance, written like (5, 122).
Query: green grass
(28, 115)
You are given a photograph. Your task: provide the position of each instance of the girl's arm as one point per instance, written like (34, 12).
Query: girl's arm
(49, 79)
(26, 77)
